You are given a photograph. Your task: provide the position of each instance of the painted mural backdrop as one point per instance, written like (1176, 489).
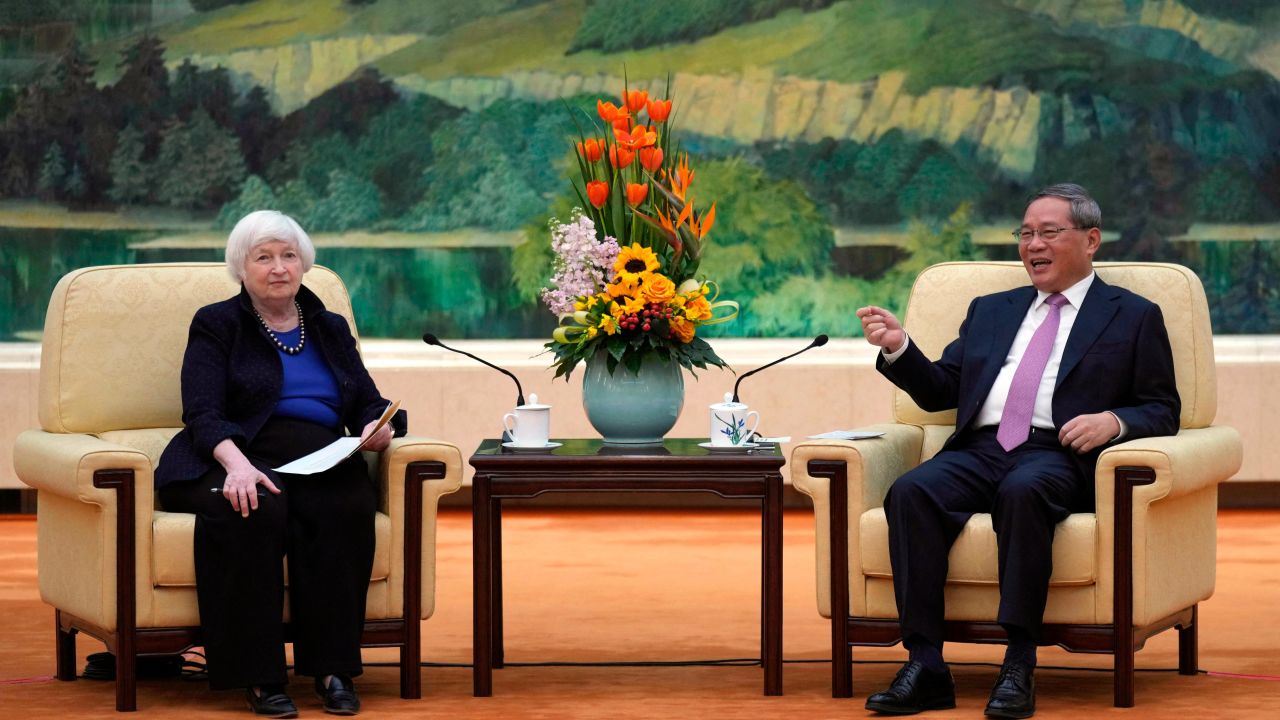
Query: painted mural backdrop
(425, 143)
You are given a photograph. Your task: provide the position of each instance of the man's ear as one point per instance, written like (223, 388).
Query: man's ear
(1094, 240)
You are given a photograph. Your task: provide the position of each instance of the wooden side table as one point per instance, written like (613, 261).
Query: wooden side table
(676, 466)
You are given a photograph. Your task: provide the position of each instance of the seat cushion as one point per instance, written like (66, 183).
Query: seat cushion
(174, 565)
(973, 557)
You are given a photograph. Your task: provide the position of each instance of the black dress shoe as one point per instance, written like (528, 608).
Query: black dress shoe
(339, 697)
(915, 689)
(1014, 695)
(271, 701)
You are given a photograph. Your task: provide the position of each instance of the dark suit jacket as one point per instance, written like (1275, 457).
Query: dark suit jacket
(1117, 358)
(232, 378)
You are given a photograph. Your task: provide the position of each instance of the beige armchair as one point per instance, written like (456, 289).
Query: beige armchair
(110, 562)
(1136, 566)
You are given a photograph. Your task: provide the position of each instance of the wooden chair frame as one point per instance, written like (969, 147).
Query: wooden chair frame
(1120, 639)
(129, 641)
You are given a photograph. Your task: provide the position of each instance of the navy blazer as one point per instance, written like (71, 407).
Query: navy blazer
(1117, 358)
(232, 377)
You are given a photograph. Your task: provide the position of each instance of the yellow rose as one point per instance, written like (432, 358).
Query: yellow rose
(697, 308)
(659, 289)
(683, 329)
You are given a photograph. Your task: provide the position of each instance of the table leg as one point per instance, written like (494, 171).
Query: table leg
(482, 587)
(771, 580)
(495, 529)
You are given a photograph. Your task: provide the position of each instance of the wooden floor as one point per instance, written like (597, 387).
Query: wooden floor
(685, 589)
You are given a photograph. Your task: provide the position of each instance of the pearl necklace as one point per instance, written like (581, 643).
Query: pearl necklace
(302, 332)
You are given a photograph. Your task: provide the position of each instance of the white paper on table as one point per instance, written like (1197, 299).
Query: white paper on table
(847, 435)
(335, 452)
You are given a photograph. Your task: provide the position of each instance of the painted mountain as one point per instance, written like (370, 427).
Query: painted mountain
(849, 143)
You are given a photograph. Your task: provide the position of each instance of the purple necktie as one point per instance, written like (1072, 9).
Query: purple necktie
(1015, 421)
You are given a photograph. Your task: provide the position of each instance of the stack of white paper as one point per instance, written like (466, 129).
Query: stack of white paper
(846, 435)
(335, 452)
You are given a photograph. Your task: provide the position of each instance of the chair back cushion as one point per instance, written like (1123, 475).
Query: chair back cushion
(942, 293)
(114, 337)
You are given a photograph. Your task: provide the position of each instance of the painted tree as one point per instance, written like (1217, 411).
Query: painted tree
(255, 124)
(141, 95)
(351, 202)
(53, 172)
(199, 163)
(255, 194)
(132, 180)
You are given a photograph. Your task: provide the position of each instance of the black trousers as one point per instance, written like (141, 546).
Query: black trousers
(323, 523)
(1027, 491)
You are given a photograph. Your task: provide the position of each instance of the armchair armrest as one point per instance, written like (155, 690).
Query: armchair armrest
(416, 470)
(65, 463)
(94, 523)
(1184, 463)
(870, 467)
(1157, 521)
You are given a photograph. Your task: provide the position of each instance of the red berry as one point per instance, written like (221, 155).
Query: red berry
(646, 327)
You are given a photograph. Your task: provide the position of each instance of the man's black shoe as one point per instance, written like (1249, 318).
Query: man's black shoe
(271, 701)
(339, 697)
(915, 689)
(1014, 695)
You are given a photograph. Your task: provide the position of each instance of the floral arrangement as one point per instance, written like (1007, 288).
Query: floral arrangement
(626, 263)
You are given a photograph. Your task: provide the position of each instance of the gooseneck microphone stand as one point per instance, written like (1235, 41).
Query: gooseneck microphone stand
(431, 339)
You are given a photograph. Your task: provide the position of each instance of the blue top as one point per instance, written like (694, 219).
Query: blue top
(310, 390)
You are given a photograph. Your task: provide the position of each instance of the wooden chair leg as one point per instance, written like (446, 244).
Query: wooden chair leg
(1127, 478)
(841, 667)
(126, 675)
(841, 653)
(1189, 644)
(410, 671)
(1124, 670)
(66, 648)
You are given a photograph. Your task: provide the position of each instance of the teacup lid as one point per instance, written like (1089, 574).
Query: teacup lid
(533, 404)
(728, 403)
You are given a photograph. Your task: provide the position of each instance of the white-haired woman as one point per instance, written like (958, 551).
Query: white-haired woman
(268, 376)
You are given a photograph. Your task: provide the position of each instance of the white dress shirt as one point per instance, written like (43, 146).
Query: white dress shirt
(1042, 415)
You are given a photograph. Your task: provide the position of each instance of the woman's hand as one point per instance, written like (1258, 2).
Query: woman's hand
(379, 441)
(241, 486)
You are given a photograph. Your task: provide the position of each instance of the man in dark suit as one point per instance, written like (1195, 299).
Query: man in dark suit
(1043, 378)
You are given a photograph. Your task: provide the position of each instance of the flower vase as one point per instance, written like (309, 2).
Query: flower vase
(629, 408)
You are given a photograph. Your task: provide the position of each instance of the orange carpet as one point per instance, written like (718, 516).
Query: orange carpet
(634, 585)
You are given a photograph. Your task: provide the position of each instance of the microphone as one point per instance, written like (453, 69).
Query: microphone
(430, 339)
(817, 342)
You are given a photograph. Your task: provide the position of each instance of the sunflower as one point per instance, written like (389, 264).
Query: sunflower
(634, 264)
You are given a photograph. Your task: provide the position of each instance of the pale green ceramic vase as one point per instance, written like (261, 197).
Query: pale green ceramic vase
(633, 409)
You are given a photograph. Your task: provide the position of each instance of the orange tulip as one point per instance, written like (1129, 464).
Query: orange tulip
(623, 123)
(609, 112)
(620, 156)
(651, 158)
(659, 110)
(639, 136)
(591, 149)
(635, 99)
(598, 192)
(636, 193)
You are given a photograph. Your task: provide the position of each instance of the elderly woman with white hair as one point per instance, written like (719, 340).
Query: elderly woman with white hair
(268, 376)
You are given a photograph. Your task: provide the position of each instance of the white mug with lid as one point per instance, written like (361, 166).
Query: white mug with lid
(732, 423)
(530, 424)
